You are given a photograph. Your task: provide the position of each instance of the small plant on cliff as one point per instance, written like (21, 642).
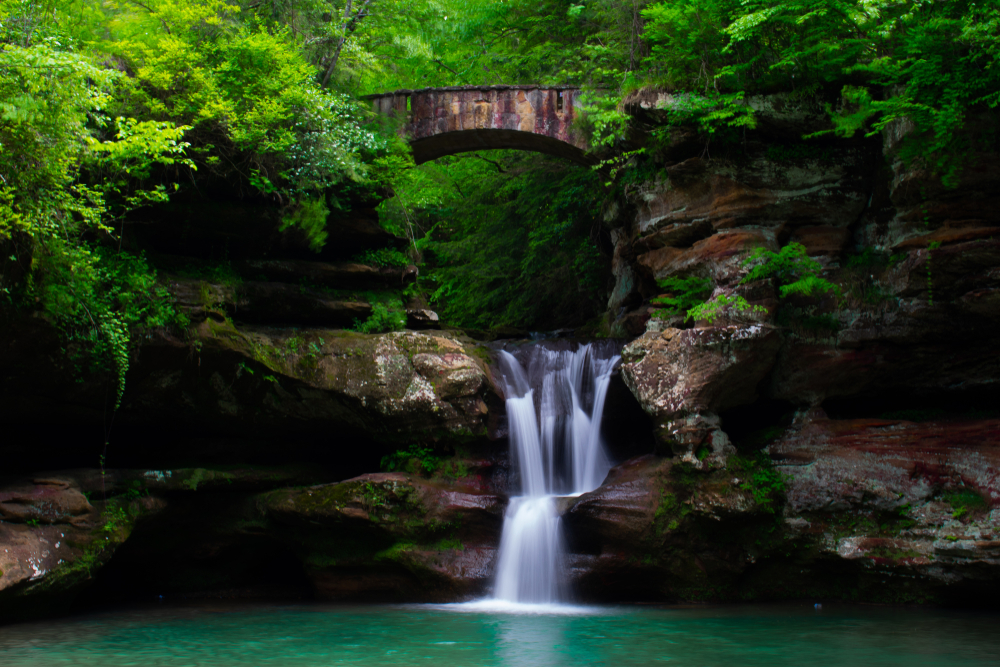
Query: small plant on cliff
(415, 459)
(760, 478)
(964, 501)
(372, 497)
(308, 216)
(725, 307)
(793, 271)
(682, 294)
(384, 257)
(100, 299)
(115, 517)
(385, 317)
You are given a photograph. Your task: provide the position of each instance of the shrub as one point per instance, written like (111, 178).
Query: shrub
(731, 308)
(760, 478)
(309, 217)
(413, 459)
(385, 317)
(792, 269)
(683, 295)
(384, 257)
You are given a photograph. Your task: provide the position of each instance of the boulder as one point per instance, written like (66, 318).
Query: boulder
(48, 499)
(304, 392)
(684, 378)
(860, 510)
(374, 384)
(422, 318)
(53, 541)
(391, 536)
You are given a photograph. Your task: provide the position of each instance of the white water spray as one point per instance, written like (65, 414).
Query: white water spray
(555, 442)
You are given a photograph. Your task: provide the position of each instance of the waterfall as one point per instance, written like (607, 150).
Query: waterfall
(554, 406)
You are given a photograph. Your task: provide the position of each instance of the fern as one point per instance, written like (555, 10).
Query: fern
(683, 295)
(730, 308)
(792, 269)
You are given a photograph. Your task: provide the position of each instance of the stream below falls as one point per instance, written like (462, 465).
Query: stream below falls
(314, 635)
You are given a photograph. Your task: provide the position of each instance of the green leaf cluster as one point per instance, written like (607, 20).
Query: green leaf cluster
(386, 316)
(683, 295)
(793, 271)
(413, 459)
(919, 66)
(100, 299)
(759, 477)
(506, 240)
(733, 308)
(384, 257)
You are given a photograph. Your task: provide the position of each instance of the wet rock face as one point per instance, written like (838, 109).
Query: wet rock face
(53, 541)
(44, 500)
(391, 536)
(872, 510)
(247, 531)
(900, 499)
(684, 378)
(245, 381)
(391, 386)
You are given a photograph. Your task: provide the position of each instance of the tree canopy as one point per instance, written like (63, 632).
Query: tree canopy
(110, 105)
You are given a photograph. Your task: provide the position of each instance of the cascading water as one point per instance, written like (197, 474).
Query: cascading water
(555, 441)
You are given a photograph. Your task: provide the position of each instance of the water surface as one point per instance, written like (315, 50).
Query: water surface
(308, 635)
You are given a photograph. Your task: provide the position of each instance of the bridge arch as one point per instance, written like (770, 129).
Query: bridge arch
(458, 119)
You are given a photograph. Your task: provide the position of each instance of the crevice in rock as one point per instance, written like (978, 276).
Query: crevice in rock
(156, 445)
(751, 427)
(626, 428)
(972, 403)
(203, 546)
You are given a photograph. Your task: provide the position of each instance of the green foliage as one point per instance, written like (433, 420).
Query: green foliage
(670, 512)
(413, 459)
(507, 240)
(787, 153)
(309, 217)
(724, 307)
(930, 63)
(684, 294)
(450, 543)
(385, 257)
(373, 496)
(100, 299)
(759, 477)
(872, 258)
(864, 273)
(806, 321)
(454, 469)
(216, 272)
(385, 317)
(792, 269)
(964, 501)
(115, 518)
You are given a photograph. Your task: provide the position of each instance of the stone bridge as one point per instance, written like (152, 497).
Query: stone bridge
(446, 121)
